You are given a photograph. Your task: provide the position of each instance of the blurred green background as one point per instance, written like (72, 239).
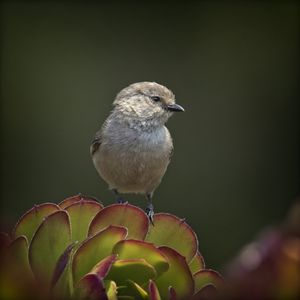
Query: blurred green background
(234, 66)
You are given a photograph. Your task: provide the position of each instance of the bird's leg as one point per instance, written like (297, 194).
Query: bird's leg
(119, 199)
(150, 208)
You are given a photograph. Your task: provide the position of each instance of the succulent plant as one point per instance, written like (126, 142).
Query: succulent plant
(79, 249)
(269, 266)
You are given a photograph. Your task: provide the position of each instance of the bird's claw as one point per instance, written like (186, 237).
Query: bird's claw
(150, 214)
(121, 200)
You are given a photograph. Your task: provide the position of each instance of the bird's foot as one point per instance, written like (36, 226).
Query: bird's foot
(150, 213)
(121, 200)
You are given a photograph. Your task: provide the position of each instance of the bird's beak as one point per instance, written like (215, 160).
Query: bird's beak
(175, 107)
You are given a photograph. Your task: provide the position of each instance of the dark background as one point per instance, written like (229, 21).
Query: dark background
(234, 66)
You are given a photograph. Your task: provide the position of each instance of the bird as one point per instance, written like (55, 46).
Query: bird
(132, 149)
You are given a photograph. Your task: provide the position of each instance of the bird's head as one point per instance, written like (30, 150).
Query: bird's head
(146, 102)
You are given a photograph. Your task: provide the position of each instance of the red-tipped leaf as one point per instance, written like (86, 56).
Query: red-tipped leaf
(153, 291)
(81, 214)
(137, 270)
(102, 268)
(129, 216)
(31, 220)
(169, 230)
(90, 287)
(130, 249)
(178, 276)
(48, 244)
(207, 276)
(197, 263)
(71, 200)
(96, 248)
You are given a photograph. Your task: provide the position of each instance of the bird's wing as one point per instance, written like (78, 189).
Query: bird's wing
(171, 151)
(96, 143)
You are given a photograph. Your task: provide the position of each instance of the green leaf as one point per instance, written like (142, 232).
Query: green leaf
(178, 276)
(16, 278)
(71, 200)
(60, 268)
(94, 249)
(81, 214)
(111, 290)
(197, 263)
(169, 230)
(18, 255)
(63, 289)
(130, 249)
(137, 270)
(48, 243)
(90, 287)
(207, 292)
(102, 268)
(31, 220)
(153, 291)
(207, 276)
(129, 216)
(18, 261)
(136, 291)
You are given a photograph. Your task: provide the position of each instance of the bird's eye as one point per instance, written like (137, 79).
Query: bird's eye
(155, 98)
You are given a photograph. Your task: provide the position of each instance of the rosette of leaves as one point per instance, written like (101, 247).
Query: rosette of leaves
(79, 249)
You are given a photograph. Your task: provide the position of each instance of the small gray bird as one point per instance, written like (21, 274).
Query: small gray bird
(132, 150)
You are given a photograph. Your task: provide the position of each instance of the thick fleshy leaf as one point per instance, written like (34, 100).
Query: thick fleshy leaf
(208, 292)
(102, 268)
(205, 277)
(153, 291)
(18, 259)
(71, 200)
(61, 264)
(16, 278)
(135, 290)
(96, 248)
(111, 290)
(169, 230)
(81, 214)
(137, 270)
(63, 289)
(178, 276)
(129, 216)
(31, 220)
(197, 263)
(130, 249)
(48, 244)
(90, 287)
